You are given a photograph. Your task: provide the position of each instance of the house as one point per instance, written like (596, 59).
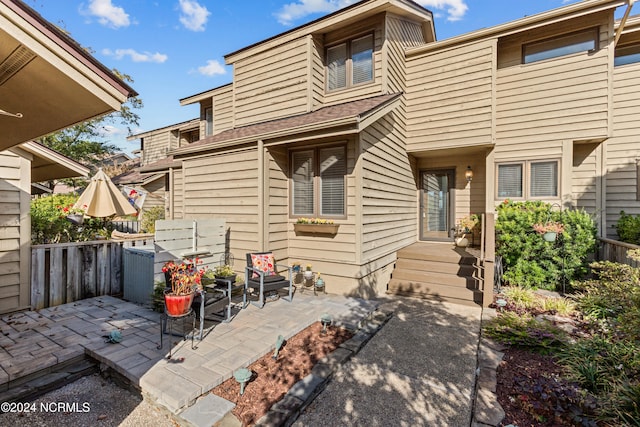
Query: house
(361, 117)
(34, 54)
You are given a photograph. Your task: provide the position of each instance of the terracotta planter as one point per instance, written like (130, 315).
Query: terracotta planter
(177, 305)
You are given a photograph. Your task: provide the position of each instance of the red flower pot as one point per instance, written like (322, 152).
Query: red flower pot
(177, 305)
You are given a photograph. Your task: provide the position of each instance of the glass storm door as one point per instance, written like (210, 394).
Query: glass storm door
(435, 205)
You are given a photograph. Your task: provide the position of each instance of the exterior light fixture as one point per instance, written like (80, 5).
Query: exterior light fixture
(468, 174)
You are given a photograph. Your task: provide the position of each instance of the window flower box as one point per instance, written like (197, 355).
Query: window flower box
(300, 228)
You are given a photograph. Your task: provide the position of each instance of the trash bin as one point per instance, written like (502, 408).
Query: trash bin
(137, 266)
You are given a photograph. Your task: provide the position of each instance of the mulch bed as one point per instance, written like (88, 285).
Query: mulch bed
(273, 378)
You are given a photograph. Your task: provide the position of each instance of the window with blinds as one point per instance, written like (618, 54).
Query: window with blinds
(544, 179)
(337, 67)
(332, 171)
(302, 182)
(528, 179)
(208, 117)
(350, 63)
(318, 186)
(362, 60)
(510, 181)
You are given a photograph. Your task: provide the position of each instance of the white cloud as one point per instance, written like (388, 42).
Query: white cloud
(290, 12)
(136, 56)
(212, 68)
(455, 8)
(110, 130)
(108, 14)
(193, 15)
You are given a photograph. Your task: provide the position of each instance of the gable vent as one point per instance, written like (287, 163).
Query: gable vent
(20, 57)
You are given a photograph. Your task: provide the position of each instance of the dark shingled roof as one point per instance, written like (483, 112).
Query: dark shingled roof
(352, 109)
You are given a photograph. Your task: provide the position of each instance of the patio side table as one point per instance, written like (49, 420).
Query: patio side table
(167, 319)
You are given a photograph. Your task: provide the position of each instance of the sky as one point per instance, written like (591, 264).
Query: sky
(173, 49)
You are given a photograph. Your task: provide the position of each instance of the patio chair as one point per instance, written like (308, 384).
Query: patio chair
(261, 274)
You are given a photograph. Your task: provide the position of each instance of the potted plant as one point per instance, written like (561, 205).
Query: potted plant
(549, 230)
(225, 272)
(464, 227)
(308, 272)
(295, 267)
(185, 278)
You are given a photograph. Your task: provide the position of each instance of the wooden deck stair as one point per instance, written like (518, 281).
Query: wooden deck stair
(436, 271)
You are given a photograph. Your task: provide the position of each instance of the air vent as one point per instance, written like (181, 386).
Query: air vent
(20, 57)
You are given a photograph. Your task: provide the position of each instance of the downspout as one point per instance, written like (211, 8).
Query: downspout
(261, 198)
(623, 22)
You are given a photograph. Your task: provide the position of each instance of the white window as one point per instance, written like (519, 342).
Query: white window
(350, 63)
(318, 182)
(567, 44)
(532, 179)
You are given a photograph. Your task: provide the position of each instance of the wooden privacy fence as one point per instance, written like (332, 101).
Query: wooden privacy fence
(67, 272)
(616, 251)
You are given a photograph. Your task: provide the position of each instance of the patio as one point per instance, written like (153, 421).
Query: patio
(38, 341)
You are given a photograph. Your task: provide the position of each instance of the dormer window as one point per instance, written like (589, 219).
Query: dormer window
(350, 63)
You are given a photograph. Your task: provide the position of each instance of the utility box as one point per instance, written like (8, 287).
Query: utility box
(137, 264)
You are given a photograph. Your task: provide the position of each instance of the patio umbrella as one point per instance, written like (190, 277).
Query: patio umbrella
(102, 198)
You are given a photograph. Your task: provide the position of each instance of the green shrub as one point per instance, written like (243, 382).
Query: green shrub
(628, 228)
(525, 331)
(50, 225)
(149, 218)
(529, 260)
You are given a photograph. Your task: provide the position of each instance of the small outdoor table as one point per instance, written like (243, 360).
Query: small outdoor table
(167, 319)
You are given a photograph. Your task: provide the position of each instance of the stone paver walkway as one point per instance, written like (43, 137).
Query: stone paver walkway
(35, 341)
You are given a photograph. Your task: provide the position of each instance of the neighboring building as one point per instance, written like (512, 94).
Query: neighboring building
(361, 117)
(157, 168)
(34, 54)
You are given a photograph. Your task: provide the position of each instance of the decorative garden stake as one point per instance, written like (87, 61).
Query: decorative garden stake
(242, 375)
(279, 343)
(325, 320)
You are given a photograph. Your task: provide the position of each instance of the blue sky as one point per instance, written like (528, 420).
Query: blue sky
(175, 48)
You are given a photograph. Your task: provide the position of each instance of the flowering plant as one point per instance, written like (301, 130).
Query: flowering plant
(467, 223)
(314, 221)
(186, 277)
(309, 267)
(551, 227)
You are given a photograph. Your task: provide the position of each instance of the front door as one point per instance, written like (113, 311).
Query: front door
(436, 204)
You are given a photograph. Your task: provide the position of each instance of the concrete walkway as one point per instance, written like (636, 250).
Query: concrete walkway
(418, 370)
(36, 342)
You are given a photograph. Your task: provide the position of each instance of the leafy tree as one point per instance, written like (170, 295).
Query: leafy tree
(86, 142)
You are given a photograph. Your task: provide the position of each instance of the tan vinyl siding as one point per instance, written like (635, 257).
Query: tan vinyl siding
(223, 109)
(277, 202)
(14, 232)
(317, 73)
(563, 98)
(155, 193)
(449, 97)
(155, 147)
(389, 203)
(372, 26)
(584, 176)
(335, 252)
(178, 194)
(272, 84)
(225, 186)
(400, 34)
(623, 150)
